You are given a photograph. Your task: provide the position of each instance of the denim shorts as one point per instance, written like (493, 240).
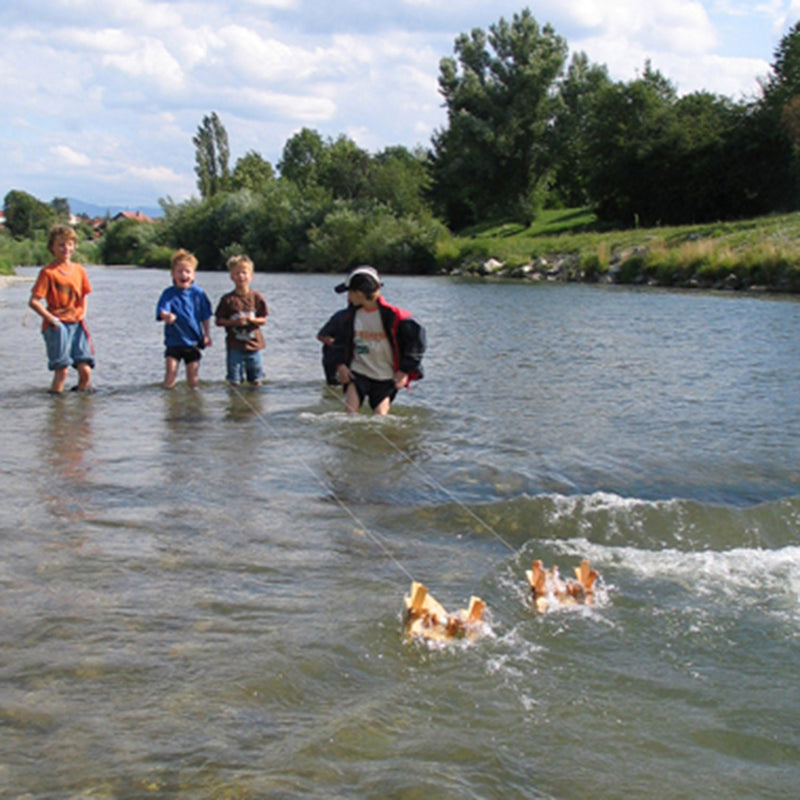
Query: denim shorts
(244, 364)
(68, 344)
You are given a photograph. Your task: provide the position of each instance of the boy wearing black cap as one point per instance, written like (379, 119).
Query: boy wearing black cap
(381, 346)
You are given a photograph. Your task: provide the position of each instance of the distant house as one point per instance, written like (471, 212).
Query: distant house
(137, 215)
(2, 220)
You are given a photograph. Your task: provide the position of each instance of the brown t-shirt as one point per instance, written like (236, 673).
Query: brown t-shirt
(245, 336)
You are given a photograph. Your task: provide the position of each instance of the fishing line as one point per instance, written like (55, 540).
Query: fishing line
(344, 506)
(431, 481)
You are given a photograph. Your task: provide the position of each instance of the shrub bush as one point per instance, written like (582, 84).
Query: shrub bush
(631, 269)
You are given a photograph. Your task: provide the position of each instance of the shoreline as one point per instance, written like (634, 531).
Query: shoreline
(10, 280)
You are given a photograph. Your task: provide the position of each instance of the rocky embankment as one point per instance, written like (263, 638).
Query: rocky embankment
(625, 268)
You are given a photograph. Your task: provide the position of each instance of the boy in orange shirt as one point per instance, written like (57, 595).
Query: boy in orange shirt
(63, 286)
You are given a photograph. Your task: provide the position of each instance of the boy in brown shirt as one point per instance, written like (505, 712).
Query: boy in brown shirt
(242, 312)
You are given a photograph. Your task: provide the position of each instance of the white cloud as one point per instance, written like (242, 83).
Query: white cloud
(115, 91)
(308, 109)
(70, 157)
(148, 58)
(680, 25)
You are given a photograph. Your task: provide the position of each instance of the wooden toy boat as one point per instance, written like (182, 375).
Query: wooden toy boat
(549, 589)
(426, 618)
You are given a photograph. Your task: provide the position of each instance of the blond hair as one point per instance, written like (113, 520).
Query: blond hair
(183, 256)
(61, 231)
(239, 261)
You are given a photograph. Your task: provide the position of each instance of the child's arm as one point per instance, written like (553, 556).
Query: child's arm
(36, 304)
(163, 314)
(207, 332)
(261, 312)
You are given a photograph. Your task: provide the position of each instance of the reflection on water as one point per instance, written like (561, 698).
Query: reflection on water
(244, 403)
(65, 446)
(201, 590)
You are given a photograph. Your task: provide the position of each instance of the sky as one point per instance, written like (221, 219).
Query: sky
(99, 100)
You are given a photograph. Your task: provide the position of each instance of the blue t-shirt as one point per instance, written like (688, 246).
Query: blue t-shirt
(191, 307)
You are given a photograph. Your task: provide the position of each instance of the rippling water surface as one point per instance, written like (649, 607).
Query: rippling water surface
(201, 592)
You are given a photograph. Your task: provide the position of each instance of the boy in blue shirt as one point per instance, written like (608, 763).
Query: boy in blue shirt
(186, 311)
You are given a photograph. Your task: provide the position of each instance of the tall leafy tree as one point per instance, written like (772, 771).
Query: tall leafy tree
(303, 158)
(61, 206)
(252, 172)
(782, 86)
(212, 155)
(346, 169)
(494, 155)
(631, 128)
(578, 95)
(25, 215)
(780, 110)
(400, 179)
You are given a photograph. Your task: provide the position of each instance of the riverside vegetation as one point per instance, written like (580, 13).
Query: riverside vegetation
(544, 170)
(567, 245)
(561, 245)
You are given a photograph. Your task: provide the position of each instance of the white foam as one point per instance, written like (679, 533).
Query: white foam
(744, 575)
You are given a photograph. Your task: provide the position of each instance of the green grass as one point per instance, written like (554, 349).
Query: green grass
(763, 251)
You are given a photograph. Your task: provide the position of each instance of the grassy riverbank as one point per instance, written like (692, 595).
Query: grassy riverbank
(571, 245)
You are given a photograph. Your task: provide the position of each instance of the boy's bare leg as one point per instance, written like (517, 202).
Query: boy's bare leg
(382, 409)
(84, 376)
(193, 374)
(171, 372)
(351, 401)
(59, 379)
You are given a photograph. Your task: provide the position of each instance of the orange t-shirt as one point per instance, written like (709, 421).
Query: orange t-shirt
(63, 290)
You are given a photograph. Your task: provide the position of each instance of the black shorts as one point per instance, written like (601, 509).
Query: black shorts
(186, 354)
(375, 391)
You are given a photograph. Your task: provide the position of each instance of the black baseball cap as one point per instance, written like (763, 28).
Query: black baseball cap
(361, 279)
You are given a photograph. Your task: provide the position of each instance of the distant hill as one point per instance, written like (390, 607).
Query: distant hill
(93, 210)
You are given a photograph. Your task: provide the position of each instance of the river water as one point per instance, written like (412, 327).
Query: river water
(201, 591)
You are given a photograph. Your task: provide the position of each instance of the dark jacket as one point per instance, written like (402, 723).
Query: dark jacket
(333, 354)
(406, 336)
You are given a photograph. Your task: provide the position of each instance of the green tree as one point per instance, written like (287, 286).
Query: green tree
(628, 142)
(400, 180)
(782, 86)
(128, 241)
(780, 113)
(339, 165)
(25, 215)
(252, 172)
(212, 155)
(346, 169)
(62, 209)
(303, 158)
(578, 96)
(655, 158)
(494, 156)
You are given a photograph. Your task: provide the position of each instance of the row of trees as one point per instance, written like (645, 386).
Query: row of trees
(524, 130)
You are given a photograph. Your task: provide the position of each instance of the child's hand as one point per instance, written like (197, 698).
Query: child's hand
(206, 341)
(343, 374)
(168, 317)
(55, 322)
(400, 380)
(326, 340)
